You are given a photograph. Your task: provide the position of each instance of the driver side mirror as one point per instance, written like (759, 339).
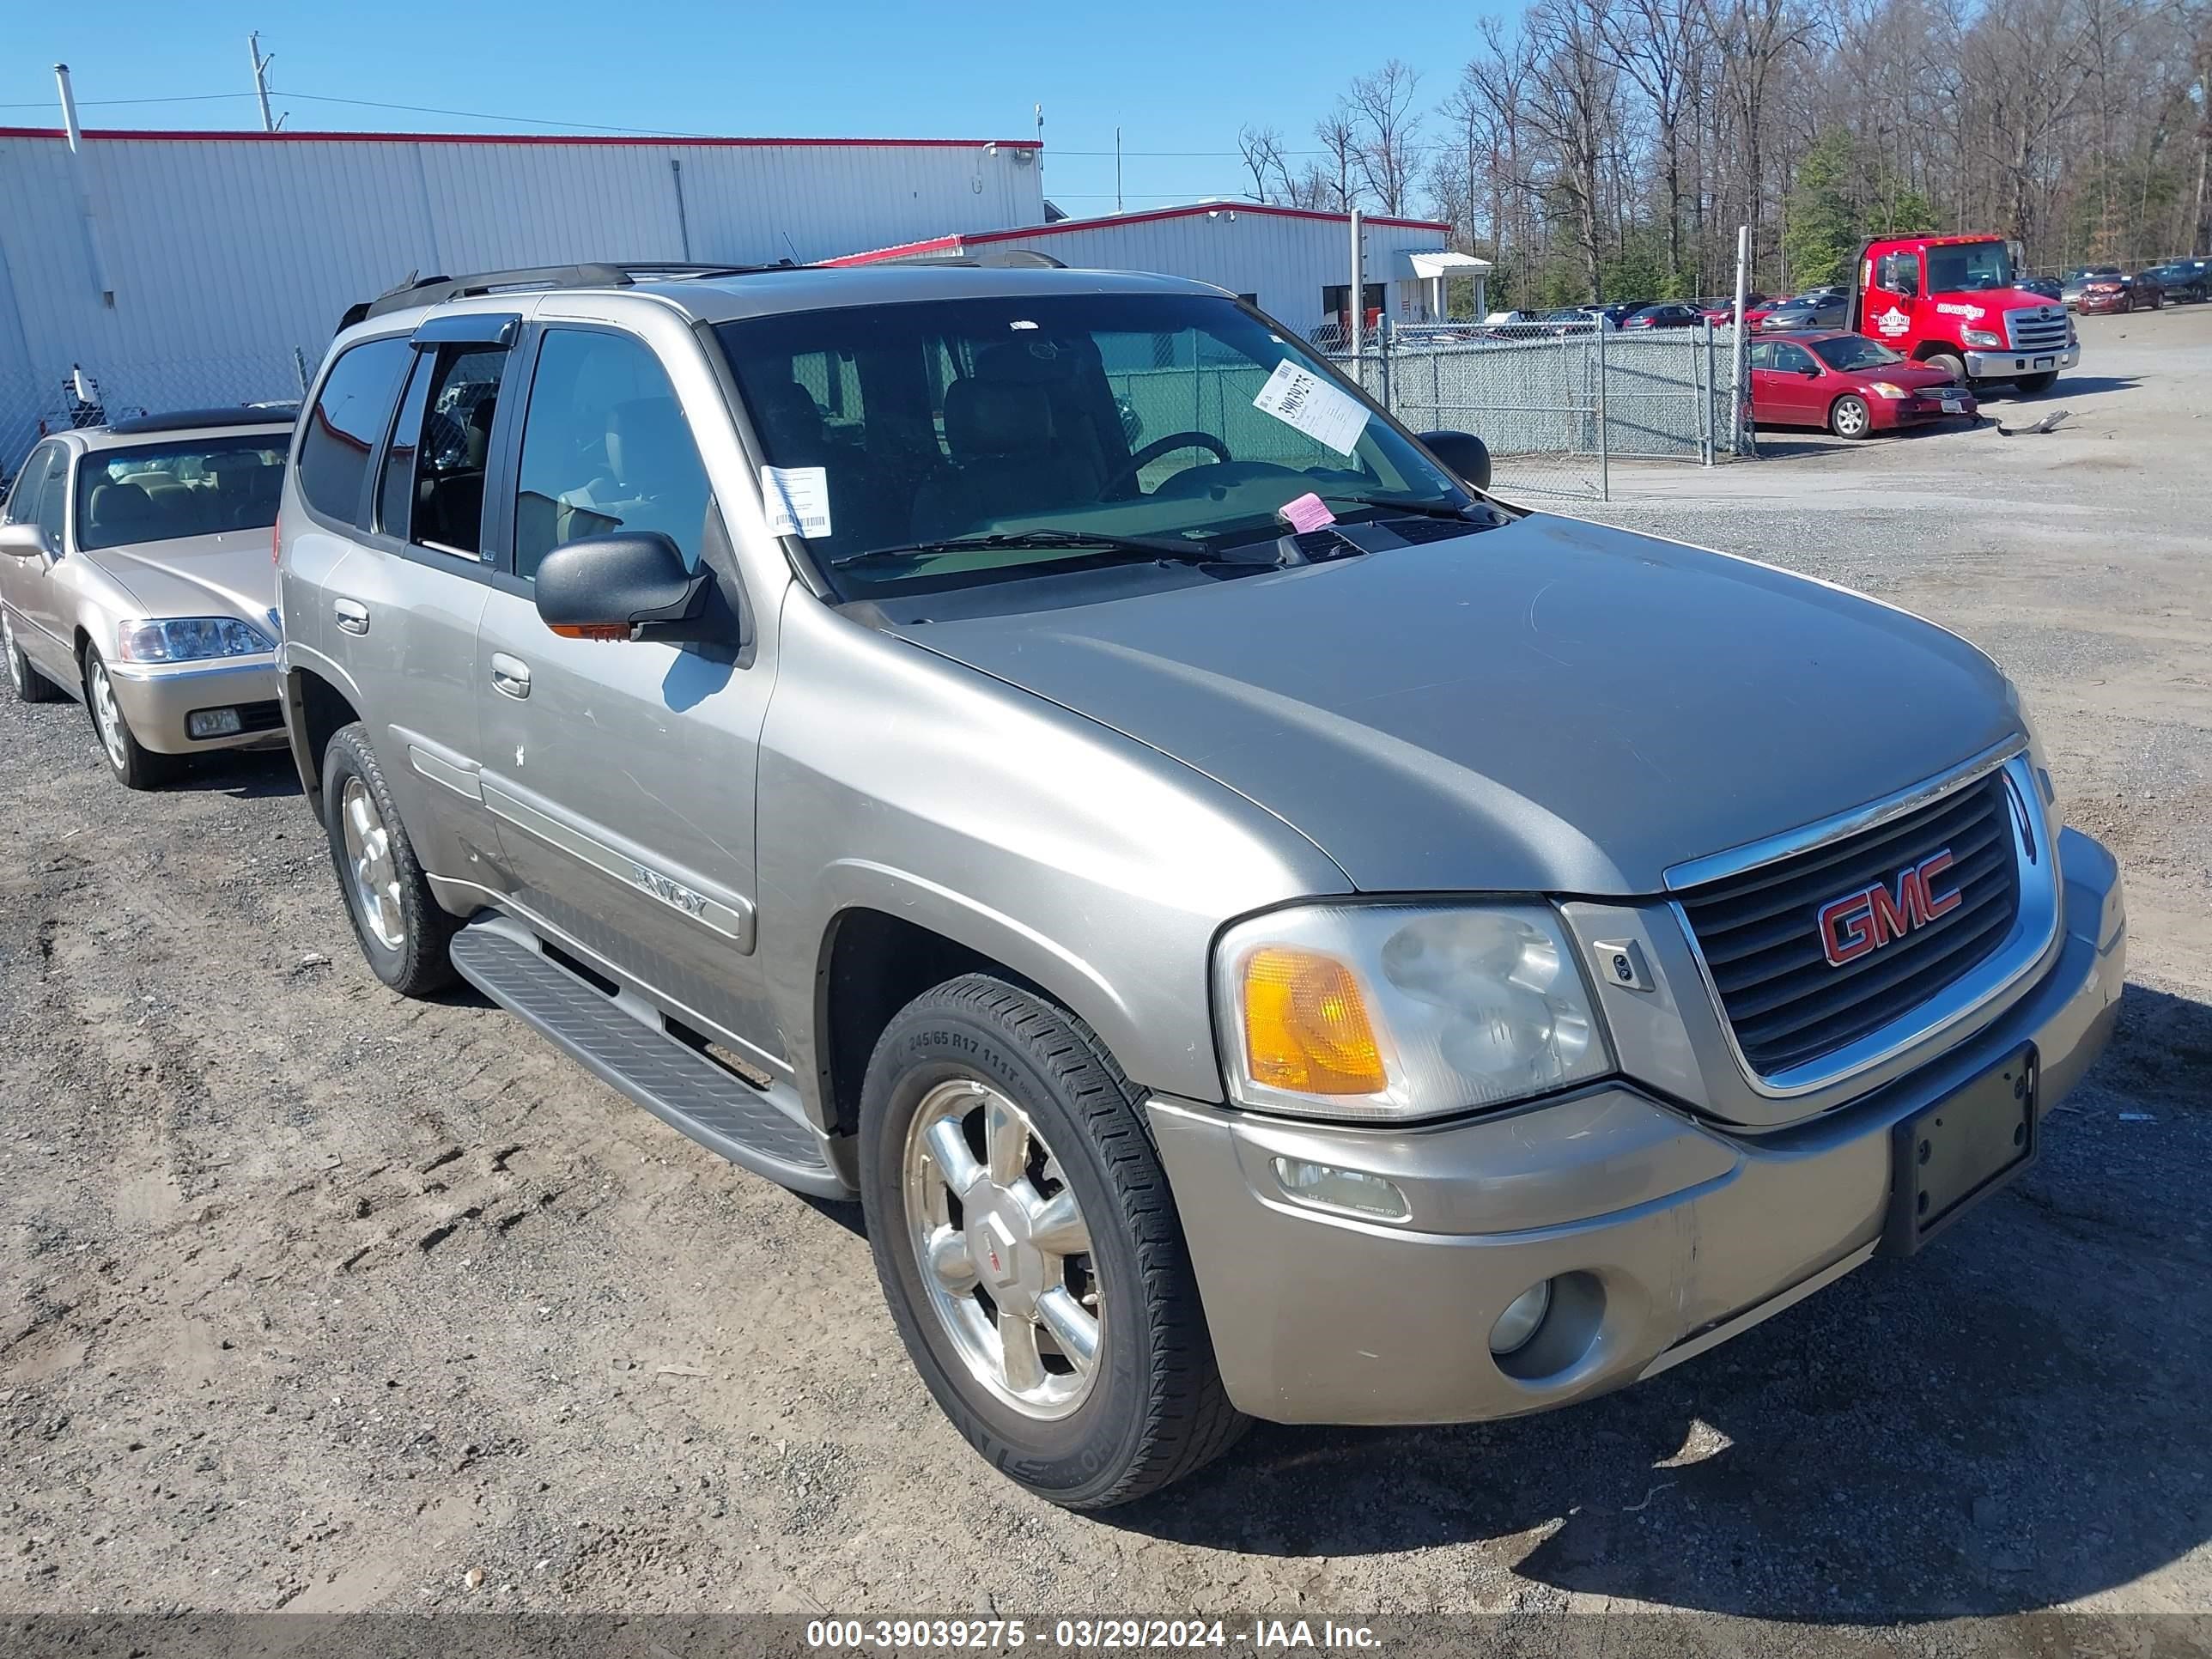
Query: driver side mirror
(22, 541)
(1464, 456)
(631, 586)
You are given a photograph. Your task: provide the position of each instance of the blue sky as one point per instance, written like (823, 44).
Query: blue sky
(1176, 77)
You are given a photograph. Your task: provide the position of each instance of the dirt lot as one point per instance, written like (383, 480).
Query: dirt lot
(318, 1299)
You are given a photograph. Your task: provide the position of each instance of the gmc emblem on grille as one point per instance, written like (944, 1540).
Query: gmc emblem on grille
(1854, 923)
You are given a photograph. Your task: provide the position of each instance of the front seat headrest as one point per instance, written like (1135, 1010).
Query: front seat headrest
(983, 418)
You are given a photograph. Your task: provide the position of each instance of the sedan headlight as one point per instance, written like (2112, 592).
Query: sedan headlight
(1985, 338)
(1890, 389)
(1387, 1011)
(189, 639)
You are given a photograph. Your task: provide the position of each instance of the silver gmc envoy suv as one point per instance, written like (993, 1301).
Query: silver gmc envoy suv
(1263, 928)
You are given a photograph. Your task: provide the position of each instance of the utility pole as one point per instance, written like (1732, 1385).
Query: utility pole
(1357, 316)
(261, 77)
(1117, 173)
(1039, 110)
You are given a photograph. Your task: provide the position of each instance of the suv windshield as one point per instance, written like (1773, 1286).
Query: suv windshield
(158, 492)
(1973, 265)
(1182, 421)
(1850, 352)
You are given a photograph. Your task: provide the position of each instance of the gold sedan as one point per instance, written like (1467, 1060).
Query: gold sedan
(135, 574)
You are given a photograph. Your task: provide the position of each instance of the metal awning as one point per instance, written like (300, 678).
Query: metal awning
(1430, 265)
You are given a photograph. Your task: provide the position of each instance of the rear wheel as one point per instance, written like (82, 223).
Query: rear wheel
(31, 686)
(1029, 1249)
(1850, 418)
(402, 930)
(134, 766)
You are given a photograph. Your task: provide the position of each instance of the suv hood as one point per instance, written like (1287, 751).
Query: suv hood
(1550, 707)
(226, 574)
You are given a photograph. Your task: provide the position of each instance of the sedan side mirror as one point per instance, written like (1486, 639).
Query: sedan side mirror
(22, 541)
(632, 587)
(1463, 454)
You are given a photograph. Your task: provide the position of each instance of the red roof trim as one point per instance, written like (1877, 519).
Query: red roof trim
(619, 140)
(1112, 220)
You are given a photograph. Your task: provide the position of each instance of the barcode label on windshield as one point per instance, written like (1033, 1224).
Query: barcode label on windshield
(797, 498)
(1299, 397)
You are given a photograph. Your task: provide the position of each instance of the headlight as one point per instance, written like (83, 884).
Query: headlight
(1391, 1011)
(190, 638)
(1980, 337)
(1890, 389)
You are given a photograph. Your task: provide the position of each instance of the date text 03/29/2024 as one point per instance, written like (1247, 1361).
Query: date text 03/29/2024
(999, 1635)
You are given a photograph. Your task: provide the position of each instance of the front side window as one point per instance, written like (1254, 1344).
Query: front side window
(161, 492)
(1972, 266)
(1900, 274)
(1792, 358)
(31, 483)
(341, 431)
(1150, 415)
(606, 448)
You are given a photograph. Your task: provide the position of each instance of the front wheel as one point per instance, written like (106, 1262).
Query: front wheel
(1029, 1250)
(1950, 362)
(1850, 418)
(2032, 385)
(402, 930)
(134, 766)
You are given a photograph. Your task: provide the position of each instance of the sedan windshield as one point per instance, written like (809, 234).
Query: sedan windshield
(197, 487)
(902, 436)
(1852, 352)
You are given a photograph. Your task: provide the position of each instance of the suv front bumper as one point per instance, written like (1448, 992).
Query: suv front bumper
(1664, 1235)
(2003, 365)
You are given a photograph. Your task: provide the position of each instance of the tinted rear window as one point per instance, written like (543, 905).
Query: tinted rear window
(345, 424)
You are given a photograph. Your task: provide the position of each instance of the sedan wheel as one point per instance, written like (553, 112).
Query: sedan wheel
(134, 764)
(1850, 418)
(30, 685)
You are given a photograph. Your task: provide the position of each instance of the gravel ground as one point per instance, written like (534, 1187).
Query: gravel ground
(318, 1299)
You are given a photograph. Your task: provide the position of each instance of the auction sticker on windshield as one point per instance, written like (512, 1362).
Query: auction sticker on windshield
(1299, 397)
(797, 498)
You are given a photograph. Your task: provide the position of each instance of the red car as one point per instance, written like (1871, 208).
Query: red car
(1721, 312)
(1848, 384)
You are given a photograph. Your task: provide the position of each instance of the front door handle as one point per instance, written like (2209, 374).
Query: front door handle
(352, 615)
(510, 676)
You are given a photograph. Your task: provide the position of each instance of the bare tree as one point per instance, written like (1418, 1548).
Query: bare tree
(1262, 150)
(1384, 126)
(1339, 140)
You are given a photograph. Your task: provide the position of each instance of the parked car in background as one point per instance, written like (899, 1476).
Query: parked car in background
(134, 574)
(1029, 832)
(2109, 290)
(2049, 287)
(1670, 313)
(1722, 313)
(1617, 311)
(1851, 385)
(1818, 308)
(2181, 280)
(2071, 289)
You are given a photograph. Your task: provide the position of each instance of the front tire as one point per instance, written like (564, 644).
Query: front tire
(1850, 417)
(134, 766)
(30, 685)
(1950, 362)
(402, 930)
(1029, 1250)
(2035, 385)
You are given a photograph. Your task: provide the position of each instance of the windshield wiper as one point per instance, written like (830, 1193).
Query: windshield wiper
(1134, 547)
(1396, 504)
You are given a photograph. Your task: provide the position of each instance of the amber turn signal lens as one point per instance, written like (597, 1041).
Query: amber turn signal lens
(1306, 1025)
(590, 630)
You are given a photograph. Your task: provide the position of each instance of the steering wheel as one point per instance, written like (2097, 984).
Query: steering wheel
(1159, 447)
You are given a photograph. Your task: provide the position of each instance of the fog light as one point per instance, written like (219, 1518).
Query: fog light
(1353, 1192)
(1521, 1318)
(213, 723)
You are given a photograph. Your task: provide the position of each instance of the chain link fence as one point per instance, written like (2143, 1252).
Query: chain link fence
(86, 394)
(1557, 403)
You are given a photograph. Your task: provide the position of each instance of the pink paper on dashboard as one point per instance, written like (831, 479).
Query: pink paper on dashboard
(1307, 513)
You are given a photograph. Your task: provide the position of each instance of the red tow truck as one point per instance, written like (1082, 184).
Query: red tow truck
(1948, 302)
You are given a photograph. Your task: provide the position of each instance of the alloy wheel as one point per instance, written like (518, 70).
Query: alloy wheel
(376, 873)
(18, 670)
(1851, 419)
(1002, 1248)
(106, 717)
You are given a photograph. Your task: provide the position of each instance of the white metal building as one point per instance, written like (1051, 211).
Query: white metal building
(1293, 262)
(181, 269)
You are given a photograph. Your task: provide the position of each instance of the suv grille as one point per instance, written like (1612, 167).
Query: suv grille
(1760, 934)
(2042, 330)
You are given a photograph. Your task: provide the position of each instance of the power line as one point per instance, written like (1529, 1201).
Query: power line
(181, 98)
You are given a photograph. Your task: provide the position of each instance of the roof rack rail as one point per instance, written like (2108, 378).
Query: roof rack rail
(436, 290)
(180, 420)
